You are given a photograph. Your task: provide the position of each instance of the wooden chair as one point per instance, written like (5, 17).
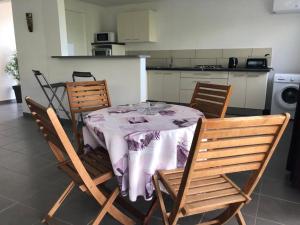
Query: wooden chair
(86, 97)
(220, 147)
(86, 171)
(211, 99)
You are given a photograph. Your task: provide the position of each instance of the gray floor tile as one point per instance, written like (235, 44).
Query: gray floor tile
(260, 221)
(19, 214)
(279, 211)
(23, 164)
(251, 208)
(54, 221)
(280, 189)
(4, 203)
(18, 186)
(250, 220)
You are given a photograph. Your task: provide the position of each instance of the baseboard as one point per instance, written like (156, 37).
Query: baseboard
(245, 112)
(9, 101)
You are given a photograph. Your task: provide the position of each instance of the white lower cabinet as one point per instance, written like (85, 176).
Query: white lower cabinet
(238, 81)
(248, 88)
(163, 86)
(155, 86)
(171, 86)
(256, 90)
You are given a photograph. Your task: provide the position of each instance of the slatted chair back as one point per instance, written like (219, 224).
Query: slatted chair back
(86, 97)
(40, 115)
(211, 99)
(232, 145)
(57, 138)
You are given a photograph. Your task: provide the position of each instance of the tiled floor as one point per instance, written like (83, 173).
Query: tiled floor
(30, 183)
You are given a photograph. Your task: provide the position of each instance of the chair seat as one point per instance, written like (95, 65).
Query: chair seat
(204, 193)
(96, 162)
(56, 85)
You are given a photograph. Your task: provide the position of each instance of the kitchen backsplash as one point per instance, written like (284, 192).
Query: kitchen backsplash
(193, 57)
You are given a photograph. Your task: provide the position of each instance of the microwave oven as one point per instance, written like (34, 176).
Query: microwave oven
(257, 63)
(105, 37)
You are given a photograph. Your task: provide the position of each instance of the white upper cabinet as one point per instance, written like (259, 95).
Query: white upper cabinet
(138, 26)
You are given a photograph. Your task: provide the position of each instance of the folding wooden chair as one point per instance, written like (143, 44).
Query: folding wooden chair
(211, 99)
(86, 171)
(85, 97)
(220, 147)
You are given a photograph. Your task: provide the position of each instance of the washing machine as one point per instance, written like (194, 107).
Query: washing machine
(285, 93)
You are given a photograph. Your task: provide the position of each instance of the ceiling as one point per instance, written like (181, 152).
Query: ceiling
(117, 2)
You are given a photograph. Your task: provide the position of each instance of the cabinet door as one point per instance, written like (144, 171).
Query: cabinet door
(155, 86)
(125, 27)
(171, 86)
(140, 27)
(256, 90)
(238, 81)
(186, 96)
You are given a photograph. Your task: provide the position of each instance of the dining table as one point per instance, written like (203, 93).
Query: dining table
(141, 139)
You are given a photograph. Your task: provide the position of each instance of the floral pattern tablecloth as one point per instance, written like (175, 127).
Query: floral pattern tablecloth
(139, 144)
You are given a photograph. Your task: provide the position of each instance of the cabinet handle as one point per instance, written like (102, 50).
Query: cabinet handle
(202, 74)
(206, 82)
(239, 75)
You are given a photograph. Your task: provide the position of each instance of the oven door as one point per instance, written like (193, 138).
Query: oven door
(102, 52)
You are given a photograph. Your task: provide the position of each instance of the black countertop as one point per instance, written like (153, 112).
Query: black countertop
(100, 57)
(217, 69)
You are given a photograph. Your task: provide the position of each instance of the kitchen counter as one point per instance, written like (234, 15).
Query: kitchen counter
(217, 69)
(100, 57)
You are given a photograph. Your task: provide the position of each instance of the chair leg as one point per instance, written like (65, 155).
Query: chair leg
(230, 212)
(151, 210)
(106, 206)
(161, 201)
(118, 215)
(59, 202)
(240, 219)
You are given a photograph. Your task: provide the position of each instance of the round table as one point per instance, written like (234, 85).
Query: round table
(140, 144)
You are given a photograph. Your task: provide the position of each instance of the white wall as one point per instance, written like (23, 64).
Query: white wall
(219, 24)
(35, 50)
(7, 48)
(92, 20)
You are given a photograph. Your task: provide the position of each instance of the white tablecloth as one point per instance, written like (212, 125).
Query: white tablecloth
(139, 144)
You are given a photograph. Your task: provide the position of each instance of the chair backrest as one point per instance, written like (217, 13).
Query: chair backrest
(211, 99)
(82, 75)
(60, 143)
(231, 145)
(40, 115)
(87, 96)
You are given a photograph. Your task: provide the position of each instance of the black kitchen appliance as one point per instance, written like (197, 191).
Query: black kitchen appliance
(293, 163)
(233, 62)
(257, 63)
